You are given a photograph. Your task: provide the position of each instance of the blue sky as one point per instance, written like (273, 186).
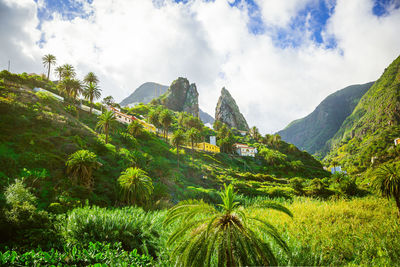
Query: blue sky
(317, 15)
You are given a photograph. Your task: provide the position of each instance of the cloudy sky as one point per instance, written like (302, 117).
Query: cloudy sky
(278, 58)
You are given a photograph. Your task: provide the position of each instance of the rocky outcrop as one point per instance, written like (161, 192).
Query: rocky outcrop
(182, 96)
(228, 112)
(145, 93)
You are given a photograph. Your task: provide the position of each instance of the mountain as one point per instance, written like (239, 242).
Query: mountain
(313, 131)
(182, 96)
(205, 117)
(145, 93)
(227, 111)
(150, 90)
(366, 137)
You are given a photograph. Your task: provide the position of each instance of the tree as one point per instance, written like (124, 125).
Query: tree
(135, 128)
(68, 71)
(109, 101)
(229, 235)
(387, 182)
(48, 60)
(91, 78)
(217, 125)
(76, 88)
(165, 121)
(59, 71)
(80, 166)
(106, 122)
(154, 117)
(255, 134)
(91, 92)
(137, 187)
(66, 86)
(194, 136)
(178, 138)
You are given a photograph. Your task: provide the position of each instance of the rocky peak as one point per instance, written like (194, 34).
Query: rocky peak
(227, 111)
(182, 96)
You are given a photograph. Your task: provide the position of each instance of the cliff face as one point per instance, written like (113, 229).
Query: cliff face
(182, 96)
(312, 132)
(228, 112)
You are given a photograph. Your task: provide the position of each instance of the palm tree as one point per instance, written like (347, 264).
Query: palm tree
(68, 71)
(66, 86)
(91, 92)
(80, 166)
(48, 60)
(194, 136)
(228, 235)
(91, 78)
(106, 122)
(177, 140)
(136, 186)
(76, 88)
(255, 134)
(59, 71)
(154, 118)
(165, 120)
(387, 182)
(135, 128)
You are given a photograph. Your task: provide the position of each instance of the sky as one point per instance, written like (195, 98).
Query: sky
(278, 59)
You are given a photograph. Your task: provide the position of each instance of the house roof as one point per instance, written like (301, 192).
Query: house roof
(238, 145)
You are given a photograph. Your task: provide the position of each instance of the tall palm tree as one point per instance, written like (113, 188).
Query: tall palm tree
(178, 138)
(165, 120)
(91, 92)
(255, 134)
(136, 186)
(228, 236)
(48, 60)
(387, 182)
(91, 78)
(106, 123)
(66, 86)
(80, 166)
(194, 136)
(59, 71)
(154, 118)
(68, 71)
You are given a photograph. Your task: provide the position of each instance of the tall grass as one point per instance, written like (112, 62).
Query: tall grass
(359, 231)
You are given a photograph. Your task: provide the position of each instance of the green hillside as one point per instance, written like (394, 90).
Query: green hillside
(366, 138)
(313, 131)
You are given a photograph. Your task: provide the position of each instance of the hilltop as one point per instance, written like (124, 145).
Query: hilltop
(366, 138)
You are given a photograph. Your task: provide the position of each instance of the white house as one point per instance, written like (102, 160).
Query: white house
(245, 150)
(120, 116)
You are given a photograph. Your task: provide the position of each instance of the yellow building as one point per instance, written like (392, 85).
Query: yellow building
(207, 147)
(149, 127)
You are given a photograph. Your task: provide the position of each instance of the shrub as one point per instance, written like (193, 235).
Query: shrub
(94, 253)
(70, 109)
(133, 227)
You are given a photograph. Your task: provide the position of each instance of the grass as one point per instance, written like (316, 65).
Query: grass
(361, 231)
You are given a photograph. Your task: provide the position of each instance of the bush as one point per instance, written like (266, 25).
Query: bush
(70, 109)
(133, 227)
(94, 253)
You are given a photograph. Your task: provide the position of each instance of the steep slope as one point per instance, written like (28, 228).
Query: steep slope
(313, 131)
(149, 91)
(227, 111)
(366, 137)
(145, 93)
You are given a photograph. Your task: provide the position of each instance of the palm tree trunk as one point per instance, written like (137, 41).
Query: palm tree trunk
(91, 104)
(48, 73)
(177, 153)
(397, 198)
(166, 134)
(106, 131)
(192, 151)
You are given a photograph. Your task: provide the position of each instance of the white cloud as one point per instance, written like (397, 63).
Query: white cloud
(128, 43)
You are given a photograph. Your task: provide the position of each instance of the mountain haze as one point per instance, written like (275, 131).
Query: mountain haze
(313, 131)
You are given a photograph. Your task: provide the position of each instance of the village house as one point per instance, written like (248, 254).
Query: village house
(127, 119)
(397, 141)
(244, 150)
(207, 147)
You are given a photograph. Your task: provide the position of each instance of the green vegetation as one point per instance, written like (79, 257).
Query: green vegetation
(207, 236)
(67, 191)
